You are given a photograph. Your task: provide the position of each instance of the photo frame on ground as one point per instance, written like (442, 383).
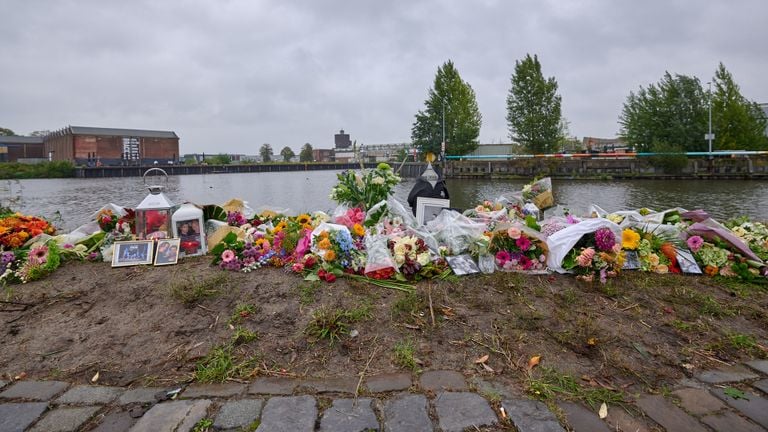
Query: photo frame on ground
(129, 253)
(687, 262)
(167, 252)
(190, 234)
(462, 264)
(428, 208)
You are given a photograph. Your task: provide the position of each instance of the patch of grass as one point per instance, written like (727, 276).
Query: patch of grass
(552, 384)
(221, 363)
(742, 342)
(307, 292)
(703, 303)
(568, 297)
(403, 354)
(204, 425)
(251, 427)
(682, 326)
(242, 311)
(190, 291)
(407, 304)
(243, 336)
(333, 324)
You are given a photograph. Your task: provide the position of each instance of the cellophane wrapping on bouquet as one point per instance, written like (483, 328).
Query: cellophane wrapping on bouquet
(379, 263)
(517, 248)
(455, 231)
(540, 193)
(561, 242)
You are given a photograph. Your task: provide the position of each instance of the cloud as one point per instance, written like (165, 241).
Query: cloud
(228, 76)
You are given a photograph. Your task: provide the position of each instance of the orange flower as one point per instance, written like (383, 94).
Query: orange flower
(324, 244)
(358, 230)
(329, 255)
(711, 270)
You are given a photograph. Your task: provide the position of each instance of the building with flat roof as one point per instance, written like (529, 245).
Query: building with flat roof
(16, 148)
(95, 146)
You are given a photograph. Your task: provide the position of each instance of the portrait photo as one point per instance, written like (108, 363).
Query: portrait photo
(128, 253)
(428, 208)
(167, 252)
(190, 237)
(462, 264)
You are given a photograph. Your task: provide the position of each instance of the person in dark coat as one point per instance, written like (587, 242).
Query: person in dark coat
(429, 185)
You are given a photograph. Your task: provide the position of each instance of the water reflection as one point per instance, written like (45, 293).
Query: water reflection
(77, 199)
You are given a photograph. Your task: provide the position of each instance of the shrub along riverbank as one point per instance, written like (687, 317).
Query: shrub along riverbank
(57, 169)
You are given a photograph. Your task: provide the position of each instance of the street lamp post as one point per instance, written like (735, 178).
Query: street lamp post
(442, 145)
(710, 137)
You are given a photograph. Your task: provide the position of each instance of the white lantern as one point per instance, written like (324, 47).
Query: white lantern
(188, 226)
(153, 214)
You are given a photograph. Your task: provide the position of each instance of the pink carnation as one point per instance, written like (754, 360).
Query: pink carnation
(695, 243)
(585, 258)
(227, 256)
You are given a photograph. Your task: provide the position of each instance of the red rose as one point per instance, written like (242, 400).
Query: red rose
(330, 277)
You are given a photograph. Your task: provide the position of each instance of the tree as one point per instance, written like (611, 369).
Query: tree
(738, 124)
(266, 152)
(40, 133)
(451, 99)
(287, 154)
(533, 108)
(305, 155)
(6, 132)
(220, 159)
(671, 114)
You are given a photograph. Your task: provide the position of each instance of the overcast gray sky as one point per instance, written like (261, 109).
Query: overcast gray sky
(227, 76)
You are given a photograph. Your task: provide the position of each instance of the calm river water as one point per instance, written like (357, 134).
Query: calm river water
(76, 200)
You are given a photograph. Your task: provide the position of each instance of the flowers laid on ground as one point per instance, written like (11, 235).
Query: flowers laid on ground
(596, 254)
(366, 190)
(16, 229)
(655, 252)
(754, 234)
(515, 250)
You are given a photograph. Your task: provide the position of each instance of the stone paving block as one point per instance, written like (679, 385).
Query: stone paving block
(3, 383)
(289, 414)
(331, 385)
(698, 401)
(761, 385)
(349, 415)
(65, 419)
(726, 375)
(492, 390)
(531, 416)
(388, 382)
(668, 415)
(619, 419)
(89, 395)
(140, 395)
(756, 408)
(407, 413)
(730, 422)
(582, 419)
(16, 417)
(196, 391)
(119, 421)
(462, 410)
(34, 390)
(238, 414)
(173, 416)
(273, 386)
(443, 380)
(759, 365)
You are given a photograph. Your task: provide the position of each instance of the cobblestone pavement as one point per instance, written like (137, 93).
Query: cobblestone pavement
(435, 400)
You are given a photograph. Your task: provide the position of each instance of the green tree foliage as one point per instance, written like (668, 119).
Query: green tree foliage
(6, 132)
(462, 116)
(305, 155)
(287, 154)
(672, 112)
(219, 159)
(738, 124)
(266, 152)
(56, 169)
(533, 108)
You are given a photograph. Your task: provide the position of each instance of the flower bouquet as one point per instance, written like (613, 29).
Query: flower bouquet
(29, 265)
(539, 192)
(16, 229)
(754, 234)
(337, 252)
(588, 248)
(518, 249)
(366, 190)
(656, 252)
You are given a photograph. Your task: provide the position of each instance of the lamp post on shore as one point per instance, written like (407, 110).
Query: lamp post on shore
(442, 144)
(709, 135)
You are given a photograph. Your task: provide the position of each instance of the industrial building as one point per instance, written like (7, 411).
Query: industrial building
(21, 149)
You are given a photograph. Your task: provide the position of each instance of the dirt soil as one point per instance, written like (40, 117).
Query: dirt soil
(639, 332)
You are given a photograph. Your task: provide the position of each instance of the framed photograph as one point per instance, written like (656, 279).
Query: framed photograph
(128, 253)
(167, 252)
(191, 239)
(462, 264)
(428, 208)
(631, 260)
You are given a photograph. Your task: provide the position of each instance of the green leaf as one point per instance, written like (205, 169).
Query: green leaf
(735, 393)
(312, 277)
(212, 211)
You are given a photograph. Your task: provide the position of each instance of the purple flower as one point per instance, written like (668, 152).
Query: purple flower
(605, 239)
(7, 258)
(694, 243)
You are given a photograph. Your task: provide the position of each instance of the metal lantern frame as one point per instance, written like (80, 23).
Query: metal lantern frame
(153, 214)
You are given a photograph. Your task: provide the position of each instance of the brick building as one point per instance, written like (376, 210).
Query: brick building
(105, 146)
(13, 148)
